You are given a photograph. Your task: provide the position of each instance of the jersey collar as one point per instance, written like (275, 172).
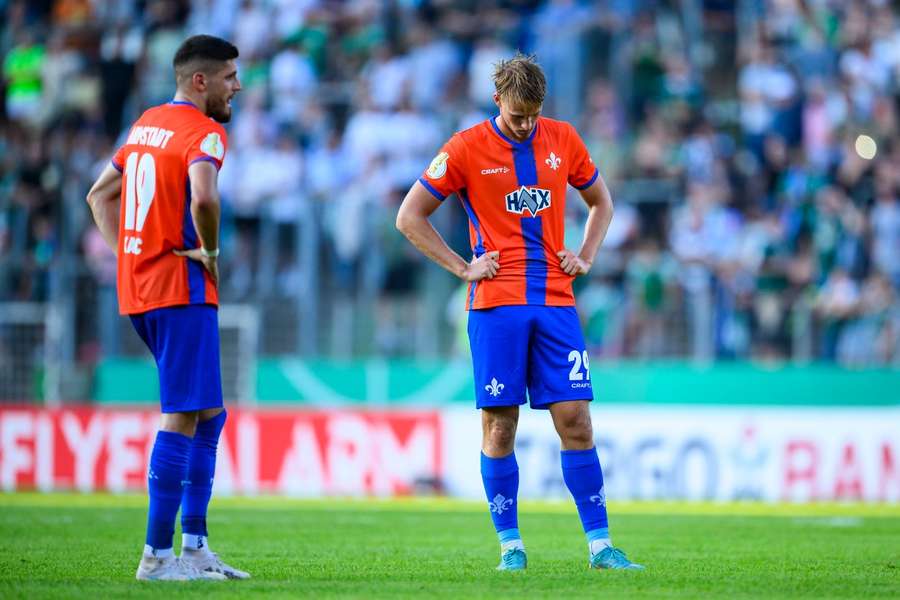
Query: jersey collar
(514, 143)
(184, 103)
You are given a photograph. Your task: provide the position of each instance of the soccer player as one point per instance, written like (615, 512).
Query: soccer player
(511, 173)
(157, 206)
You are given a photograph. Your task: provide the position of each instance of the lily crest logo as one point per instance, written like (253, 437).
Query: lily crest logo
(495, 387)
(527, 198)
(554, 161)
(500, 503)
(599, 498)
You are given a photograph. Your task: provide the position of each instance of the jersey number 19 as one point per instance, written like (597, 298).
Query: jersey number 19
(140, 187)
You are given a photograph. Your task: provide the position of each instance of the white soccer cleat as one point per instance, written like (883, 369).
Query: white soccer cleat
(206, 561)
(171, 568)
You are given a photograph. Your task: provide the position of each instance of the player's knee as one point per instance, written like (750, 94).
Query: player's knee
(578, 437)
(211, 423)
(500, 433)
(184, 423)
(575, 429)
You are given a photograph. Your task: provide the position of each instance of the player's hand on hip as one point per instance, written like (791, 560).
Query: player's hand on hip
(483, 267)
(573, 264)
(209, 262)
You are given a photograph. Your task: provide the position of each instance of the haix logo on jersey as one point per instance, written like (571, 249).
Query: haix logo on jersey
(150, 136)
(528, 198)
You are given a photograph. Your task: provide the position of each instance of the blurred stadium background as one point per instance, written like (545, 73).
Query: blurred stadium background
(742, 317)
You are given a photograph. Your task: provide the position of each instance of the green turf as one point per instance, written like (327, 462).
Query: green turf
(88, 546)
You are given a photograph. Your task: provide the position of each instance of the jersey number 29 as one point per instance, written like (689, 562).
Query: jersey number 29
(579, 358)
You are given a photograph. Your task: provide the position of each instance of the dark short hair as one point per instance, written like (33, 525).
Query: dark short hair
(199, 51)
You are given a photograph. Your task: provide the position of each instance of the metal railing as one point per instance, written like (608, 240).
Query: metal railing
(35, 367)
(30, 361)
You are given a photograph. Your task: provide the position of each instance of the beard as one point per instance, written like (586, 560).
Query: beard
(219, 110)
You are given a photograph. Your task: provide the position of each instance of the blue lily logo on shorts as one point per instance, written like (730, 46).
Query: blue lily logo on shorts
(494, 388)
(500, 503)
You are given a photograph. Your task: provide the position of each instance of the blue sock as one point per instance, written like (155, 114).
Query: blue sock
(200, 472)
(501, 484)
(168, 466)
(584, 478)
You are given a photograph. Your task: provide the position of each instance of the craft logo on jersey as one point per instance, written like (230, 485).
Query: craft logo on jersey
(495, 171)
(528, 198)
(438, 167)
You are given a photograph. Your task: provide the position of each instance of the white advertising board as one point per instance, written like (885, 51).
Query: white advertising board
(708, 453)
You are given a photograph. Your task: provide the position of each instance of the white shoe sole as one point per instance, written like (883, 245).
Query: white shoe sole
(204, 576)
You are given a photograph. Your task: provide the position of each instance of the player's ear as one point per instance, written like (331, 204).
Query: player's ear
(497, 100)
(198, 80)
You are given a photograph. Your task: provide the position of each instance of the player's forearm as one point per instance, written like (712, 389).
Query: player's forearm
(594, 232)
(106, 215)
(103, 198)
(422, 234)
(599, 217)
(206, 220)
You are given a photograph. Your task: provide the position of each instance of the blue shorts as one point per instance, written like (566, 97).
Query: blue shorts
(184, 341)
(538, 348)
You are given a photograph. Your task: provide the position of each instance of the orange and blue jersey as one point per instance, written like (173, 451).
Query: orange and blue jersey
(155, 216)
(515, 194)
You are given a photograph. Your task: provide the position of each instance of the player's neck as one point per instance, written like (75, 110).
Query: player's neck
(197, 101)
(506, 131)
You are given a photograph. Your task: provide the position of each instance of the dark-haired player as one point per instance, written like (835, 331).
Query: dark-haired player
(157, 206)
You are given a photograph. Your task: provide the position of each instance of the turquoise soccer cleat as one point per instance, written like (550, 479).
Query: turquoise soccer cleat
(612, 558)
(513, 559)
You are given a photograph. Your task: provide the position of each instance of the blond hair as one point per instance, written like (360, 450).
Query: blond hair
(520, 79)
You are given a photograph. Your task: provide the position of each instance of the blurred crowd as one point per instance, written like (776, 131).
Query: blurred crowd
(751, 148)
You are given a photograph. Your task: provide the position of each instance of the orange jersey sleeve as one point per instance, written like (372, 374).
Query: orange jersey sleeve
(447, 172)
(155, 214)
(118, 159)
(208, 143)
(583, 172)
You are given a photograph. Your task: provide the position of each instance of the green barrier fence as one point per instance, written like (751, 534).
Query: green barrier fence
(408, 382)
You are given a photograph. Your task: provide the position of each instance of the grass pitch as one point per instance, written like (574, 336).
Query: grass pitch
(88, 546)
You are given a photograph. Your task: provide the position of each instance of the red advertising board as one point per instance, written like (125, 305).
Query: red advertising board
(314, 453)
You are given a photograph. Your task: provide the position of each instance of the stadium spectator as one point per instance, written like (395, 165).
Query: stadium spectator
(22, 67)
(750, 221)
